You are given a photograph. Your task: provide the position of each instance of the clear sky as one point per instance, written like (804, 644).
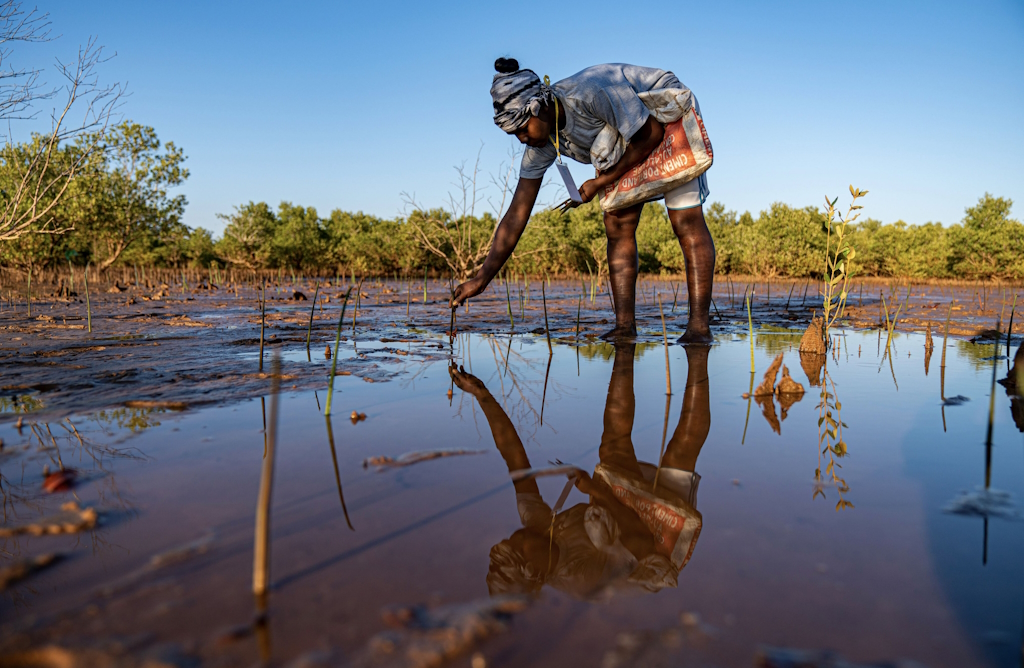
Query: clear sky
(349, 104)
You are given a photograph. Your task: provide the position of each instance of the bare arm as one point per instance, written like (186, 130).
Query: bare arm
(504, 432)
(639, 148)
(510, 229)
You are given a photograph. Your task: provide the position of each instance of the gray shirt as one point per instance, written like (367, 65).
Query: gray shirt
(597, 96)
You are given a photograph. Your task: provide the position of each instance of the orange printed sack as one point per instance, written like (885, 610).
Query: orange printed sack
(683, 155)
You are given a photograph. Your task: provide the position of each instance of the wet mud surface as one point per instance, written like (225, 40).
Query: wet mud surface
(722, 525)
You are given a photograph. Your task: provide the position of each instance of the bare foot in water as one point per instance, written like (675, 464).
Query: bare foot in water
(620, 332)
(695, 335)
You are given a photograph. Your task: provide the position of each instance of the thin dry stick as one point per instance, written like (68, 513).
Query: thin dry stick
(664, 333)
(408, 296)
(334, 359)
(312, 310)
(547, 331)
(261, 549)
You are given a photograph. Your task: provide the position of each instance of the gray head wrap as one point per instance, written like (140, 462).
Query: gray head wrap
(517, 96)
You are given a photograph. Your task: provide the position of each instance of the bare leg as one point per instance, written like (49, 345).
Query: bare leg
(623, 265)
(695, 418)
(619, 409)
(699, 253)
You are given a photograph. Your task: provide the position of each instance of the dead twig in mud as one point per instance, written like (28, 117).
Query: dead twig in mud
(334, 361)
(70, 519)
(261, 546)
(337, 475)
(384, 462)
(168, 405)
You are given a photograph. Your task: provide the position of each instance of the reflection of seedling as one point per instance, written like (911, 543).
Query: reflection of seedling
(838, 254)
(830, 442)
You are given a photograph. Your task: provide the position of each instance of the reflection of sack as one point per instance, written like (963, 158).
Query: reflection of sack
(683, 155)
(674, 523)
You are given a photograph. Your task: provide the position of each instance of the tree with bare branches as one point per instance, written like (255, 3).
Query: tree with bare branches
(37, 175)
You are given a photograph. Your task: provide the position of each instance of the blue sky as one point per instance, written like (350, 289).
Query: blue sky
(348, 105)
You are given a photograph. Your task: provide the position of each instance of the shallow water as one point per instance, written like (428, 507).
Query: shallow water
(889, 575)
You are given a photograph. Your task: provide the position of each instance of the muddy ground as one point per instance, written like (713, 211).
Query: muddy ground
(181, 348)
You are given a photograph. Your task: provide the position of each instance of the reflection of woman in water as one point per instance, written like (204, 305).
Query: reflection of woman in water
(640, 527)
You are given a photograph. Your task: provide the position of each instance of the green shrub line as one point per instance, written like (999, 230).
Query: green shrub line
(780, 242)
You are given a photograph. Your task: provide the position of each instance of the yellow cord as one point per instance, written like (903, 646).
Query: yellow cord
(558, 151)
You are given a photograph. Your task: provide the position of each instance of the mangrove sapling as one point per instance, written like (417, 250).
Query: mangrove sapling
(579, 304)
(30, 293)
(830, 441)
(355, 307)
(508, 301)
(664, 333)
(544, 395)
(263, 320)
(1009, 330)
(838, 255)
(337, 475)
(88, 305)
(261, 548)
(750, 334)
(334, 358)
(312, 310)
(547, 330)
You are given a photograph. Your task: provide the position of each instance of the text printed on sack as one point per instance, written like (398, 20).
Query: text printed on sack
(673, 155)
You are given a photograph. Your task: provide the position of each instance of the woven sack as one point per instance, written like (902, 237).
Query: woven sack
(683, 154)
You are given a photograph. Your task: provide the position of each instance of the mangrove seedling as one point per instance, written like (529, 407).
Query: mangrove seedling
(334, 361)
(838, 255)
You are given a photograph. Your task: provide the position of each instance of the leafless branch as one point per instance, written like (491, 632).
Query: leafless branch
(46, 165)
